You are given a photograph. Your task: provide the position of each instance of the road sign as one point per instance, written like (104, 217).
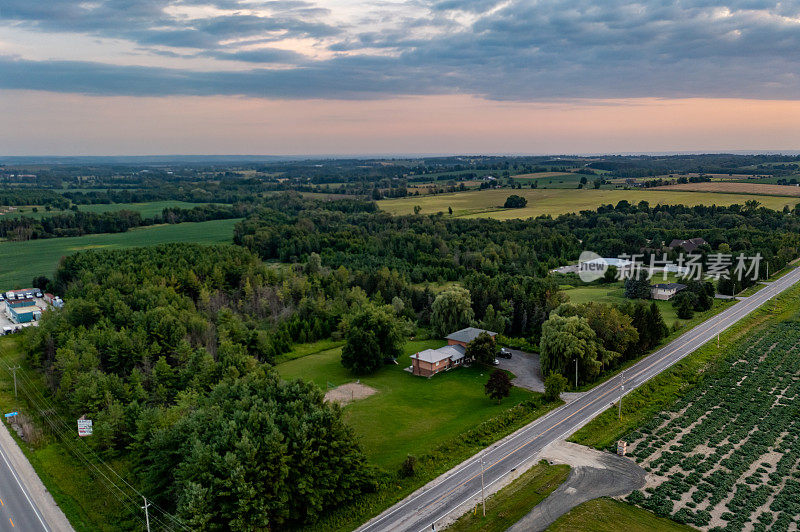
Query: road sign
(84, 427)
(10, 414)
(622, 447)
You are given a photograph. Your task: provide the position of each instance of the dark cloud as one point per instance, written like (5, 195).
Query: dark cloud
(516, 50)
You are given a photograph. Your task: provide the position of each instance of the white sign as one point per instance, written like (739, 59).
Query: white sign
(84, 427)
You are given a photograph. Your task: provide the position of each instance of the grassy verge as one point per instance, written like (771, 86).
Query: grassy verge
(608, 515)
(513, 502)
(661, 391)
(81, 496)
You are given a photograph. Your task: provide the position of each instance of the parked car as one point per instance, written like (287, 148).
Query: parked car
(504, 353)
(496, 362)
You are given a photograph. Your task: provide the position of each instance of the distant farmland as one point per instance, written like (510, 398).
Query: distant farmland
(20, 262)
(737, 188)
(488, 203)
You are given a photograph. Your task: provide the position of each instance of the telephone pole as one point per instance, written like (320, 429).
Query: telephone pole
(576, 373)
(621, 392)
(483, 498)
(14, 372)
(146, 513)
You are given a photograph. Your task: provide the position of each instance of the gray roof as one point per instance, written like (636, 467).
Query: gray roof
(469, 334)
(453, 352)
(669, 286)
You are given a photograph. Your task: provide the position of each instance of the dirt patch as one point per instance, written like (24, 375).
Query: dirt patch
(347, 393)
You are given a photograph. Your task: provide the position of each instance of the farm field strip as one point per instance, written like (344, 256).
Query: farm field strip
(554, 201)
(760, 189)
(726, 454)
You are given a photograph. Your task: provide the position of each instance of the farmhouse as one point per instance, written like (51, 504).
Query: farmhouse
(432, 361)
(465, 336)
(665, 291)
(687, 245)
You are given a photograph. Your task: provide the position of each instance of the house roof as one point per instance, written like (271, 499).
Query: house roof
(453, 352)
(689, 245)
(469, 334)
(669, 286)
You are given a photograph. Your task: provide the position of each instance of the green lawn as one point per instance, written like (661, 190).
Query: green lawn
(22, 261)
(609, 515)
(488, 203)
(614, 294)
(409, 414)
(513, 502)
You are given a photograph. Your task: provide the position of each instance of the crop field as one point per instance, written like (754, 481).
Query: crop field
(760, 189)
(552, 179)
(488, 203)
(20, 262)
(727, 453)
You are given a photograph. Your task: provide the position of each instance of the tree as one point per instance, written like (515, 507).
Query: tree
(452, 311)
(610, 275)
(257, 452)
(372, 336)
(565, 340)
(494, 320)
(515, 202)
(417, 209)
(498, 385)
(41, 282)
(450, 211)
(482, 349)
(637, 286)
(554, 385)
(684, 303)
(655, 328)
(612, 327)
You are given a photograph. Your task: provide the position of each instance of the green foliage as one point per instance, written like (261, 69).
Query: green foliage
(498, 386)
(515, 201)
(482, 349)
(554, 385)
(451, 311)
(255, 450)
(567, 339)
(409, 466)
(373, 336)
(685, 303)
(637, 286)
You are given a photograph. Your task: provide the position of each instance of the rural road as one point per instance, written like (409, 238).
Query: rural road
(25, 503)
(462, 485)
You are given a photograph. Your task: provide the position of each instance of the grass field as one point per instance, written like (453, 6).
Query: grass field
(147, 210)
(608, 515)
(409, 414)
(488, 203)
(552, 179)
(84, 498)
(513, 502)
(758, 189)
(22, 261)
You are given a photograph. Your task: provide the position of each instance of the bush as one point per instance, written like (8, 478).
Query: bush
(409, 466)
(554, 384)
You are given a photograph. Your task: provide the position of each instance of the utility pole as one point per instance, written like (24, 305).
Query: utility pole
(621, 391)
(717, 339)
(146, 513)
(576, 373)
(483, 498)
(14, 372)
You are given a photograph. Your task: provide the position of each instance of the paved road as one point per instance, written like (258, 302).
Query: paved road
(17, 508)
(463, 483)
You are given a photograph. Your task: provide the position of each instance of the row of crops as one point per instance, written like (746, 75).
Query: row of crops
(727, 452)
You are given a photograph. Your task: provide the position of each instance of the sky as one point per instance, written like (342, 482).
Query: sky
(297, 77)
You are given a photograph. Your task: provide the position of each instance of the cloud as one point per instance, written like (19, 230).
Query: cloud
(503, 50)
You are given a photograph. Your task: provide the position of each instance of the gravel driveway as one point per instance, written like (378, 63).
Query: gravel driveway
(526, 368)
